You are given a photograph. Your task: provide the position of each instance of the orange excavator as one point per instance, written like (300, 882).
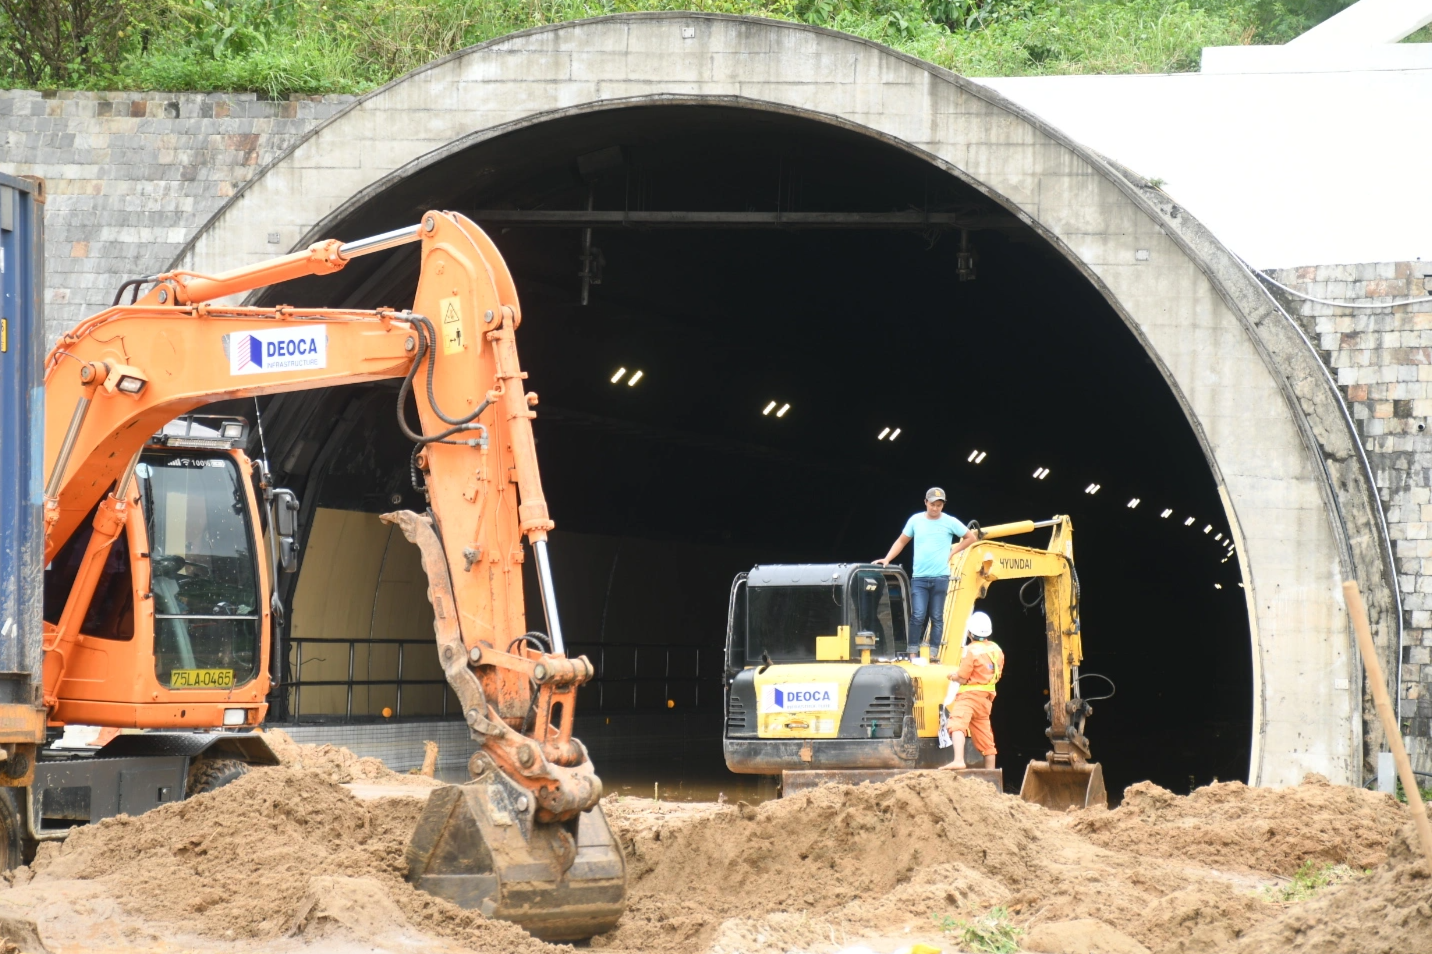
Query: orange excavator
(159, 605)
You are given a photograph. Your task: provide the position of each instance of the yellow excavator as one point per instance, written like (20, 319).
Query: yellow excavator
(824, 683)
(159, 612)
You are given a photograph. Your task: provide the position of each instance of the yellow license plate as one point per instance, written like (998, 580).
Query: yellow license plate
(201, 679)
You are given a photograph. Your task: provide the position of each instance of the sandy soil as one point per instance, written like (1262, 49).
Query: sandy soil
(290, 860)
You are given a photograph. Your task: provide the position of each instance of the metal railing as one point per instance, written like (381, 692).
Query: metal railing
(623, 692)
(298, 683)
(624, 670)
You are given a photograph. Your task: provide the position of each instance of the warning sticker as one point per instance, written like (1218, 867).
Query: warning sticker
(451, 311)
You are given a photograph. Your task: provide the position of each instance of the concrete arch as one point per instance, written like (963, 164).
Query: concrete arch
(1295, 486)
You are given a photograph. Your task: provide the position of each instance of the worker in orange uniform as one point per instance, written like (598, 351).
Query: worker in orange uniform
(972, 689)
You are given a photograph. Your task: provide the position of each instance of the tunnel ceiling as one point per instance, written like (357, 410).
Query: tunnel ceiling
(859, 329)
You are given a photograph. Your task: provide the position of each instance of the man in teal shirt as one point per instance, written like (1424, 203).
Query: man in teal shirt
(934, 533)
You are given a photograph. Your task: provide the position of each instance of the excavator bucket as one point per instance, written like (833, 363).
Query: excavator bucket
(1059, 787)
(479, 846)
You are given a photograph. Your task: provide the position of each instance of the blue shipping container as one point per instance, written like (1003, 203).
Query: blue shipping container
(22, 431)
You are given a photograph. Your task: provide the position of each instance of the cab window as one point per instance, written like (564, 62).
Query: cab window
(784, 621)
(203, 573)
(873, 612)
(110, 614)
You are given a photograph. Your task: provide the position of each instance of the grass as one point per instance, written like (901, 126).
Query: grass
(1308, 881)
(991, 933)
(1401, 793)
(350, 46)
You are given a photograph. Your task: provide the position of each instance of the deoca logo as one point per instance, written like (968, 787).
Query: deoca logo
(298, 348)
(800, 697)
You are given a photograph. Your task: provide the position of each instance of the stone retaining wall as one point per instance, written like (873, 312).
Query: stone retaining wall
(132, 176)
(1381, 358)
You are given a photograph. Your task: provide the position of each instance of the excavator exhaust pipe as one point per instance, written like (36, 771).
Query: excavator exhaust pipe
(1059, 786)
(479, 846)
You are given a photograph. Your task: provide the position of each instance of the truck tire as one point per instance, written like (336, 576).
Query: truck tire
(206, 775)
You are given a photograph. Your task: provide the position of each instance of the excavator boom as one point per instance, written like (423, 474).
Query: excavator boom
(525, 839)
(1066, 777)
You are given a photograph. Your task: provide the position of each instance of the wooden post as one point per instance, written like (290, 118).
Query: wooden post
(1389, 718)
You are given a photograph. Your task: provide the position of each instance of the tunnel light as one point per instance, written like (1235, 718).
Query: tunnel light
(1168, 512)
(769, 408)
(1218, 536)
(980, 459)
(1091, 489)
(1242, 587)
(973, 455)
(636, 376)
(1188, 522)
(895, 433)
(1133, 503)
(1208, 528)
(616, 378)
(881, 435)
(1218, 586)
(1041, 472)
(783, 410)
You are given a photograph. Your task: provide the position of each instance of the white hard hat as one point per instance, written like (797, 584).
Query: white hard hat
(979, 625)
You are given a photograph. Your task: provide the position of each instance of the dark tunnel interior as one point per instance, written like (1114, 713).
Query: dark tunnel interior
(665, 486)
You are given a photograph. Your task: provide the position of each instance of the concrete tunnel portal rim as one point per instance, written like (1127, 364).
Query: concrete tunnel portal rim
(1229, 278)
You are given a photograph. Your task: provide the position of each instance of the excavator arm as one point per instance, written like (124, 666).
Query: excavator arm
(1067, 776)
(120, 376)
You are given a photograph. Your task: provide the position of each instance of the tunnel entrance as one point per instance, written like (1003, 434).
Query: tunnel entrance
(791, 330)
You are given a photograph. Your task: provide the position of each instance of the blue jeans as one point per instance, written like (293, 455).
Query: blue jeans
(927, 601)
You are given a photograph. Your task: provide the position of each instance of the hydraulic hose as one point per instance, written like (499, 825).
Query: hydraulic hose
(424, 329)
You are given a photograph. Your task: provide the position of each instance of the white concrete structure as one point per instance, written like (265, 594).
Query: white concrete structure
(1367, 23)
(1364, 36)
(1276, 434)
(1285, 168)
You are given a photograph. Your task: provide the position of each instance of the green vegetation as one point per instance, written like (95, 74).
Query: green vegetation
(351, 46)
(1308, 881)
(991, 933)
(1401, 793)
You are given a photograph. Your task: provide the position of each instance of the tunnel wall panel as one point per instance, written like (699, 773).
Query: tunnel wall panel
(1276, 434)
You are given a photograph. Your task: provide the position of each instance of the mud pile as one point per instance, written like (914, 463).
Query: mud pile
(1229, 825)
(336, 763)
(287, 853)
(1388, 912)
(278, 852)
(836, 863)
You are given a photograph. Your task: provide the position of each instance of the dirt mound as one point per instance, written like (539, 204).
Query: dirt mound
(264, 857)
(1229, 825)
(336, 763)
(1387, 912)
(842, 861)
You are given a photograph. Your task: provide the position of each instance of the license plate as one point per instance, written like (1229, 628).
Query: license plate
(201, 679)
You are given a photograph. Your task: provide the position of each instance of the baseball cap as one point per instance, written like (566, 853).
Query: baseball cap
(934, 493)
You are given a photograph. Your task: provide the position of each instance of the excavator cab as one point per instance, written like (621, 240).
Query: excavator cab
(176, 633)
